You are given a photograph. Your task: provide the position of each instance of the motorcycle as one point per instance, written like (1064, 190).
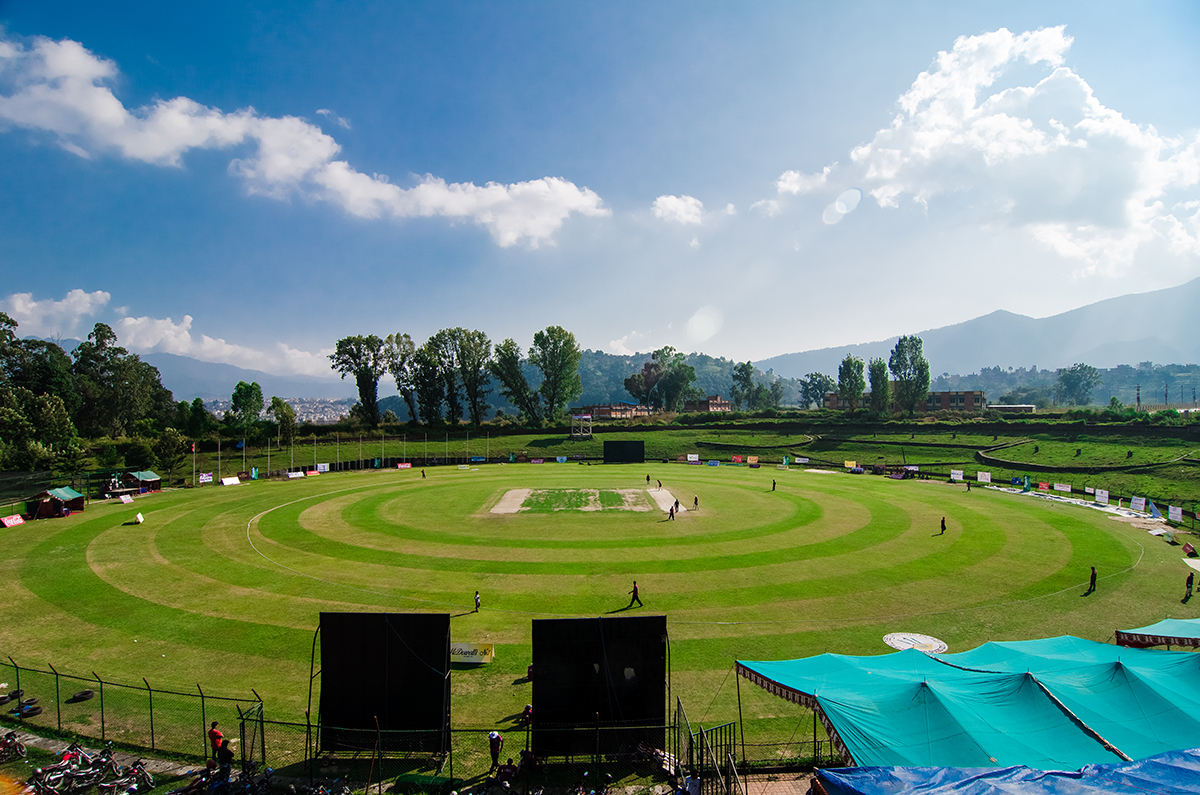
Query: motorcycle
(11, 747)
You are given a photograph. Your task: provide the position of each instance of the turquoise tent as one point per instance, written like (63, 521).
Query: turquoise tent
(1058, 703)
(1168, 632)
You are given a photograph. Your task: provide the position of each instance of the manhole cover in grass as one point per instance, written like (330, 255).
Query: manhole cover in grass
(912, 640)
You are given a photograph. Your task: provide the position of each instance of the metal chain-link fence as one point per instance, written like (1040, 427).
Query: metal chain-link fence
(135, 715)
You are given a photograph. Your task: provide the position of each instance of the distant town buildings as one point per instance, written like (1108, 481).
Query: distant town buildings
(937, 401)
(615, 411)
(709, 404)
(318, 411)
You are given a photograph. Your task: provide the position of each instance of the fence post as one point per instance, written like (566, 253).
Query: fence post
(57, 697)
(17, 669)
(262, 728)
(101, 681)
(150, 693)
(203, 714)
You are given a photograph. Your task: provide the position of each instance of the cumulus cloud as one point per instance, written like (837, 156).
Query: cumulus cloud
(681, 209)
(48, 318)
(794, 182)
(620, 346)
(62, 88)
(1047, 158)
(164, 335)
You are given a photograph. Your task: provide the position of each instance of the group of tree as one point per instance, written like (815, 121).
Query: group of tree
(907, 390)
(456, 369)
(49, 398)
(665, 382)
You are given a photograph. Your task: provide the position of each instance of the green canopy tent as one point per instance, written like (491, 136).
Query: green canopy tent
(54, 503)
(1058, 703)
(1168, 632)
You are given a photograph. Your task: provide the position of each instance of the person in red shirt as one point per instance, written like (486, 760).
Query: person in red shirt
(214, 738)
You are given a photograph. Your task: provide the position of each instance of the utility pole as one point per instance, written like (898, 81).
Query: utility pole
(1139, 397)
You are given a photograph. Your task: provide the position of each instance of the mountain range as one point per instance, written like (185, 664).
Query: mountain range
(1129, 329)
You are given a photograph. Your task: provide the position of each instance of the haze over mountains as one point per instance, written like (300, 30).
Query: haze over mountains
(1154, 326)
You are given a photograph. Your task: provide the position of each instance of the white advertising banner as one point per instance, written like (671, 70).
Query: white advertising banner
(1137, 503)
(1175, 513)
(322, 467)
(1063, 487)
(1102, 496)
(473, 653)
(233, 481)
(983, 477)
(206, 477)
(693, 457)
(956, 474)
(294, 475)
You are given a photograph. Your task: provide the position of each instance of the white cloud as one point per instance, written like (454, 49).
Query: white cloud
(620, 346)
(695, 242)
(51, 318)
(794, 182)
(682, 209)
(768, 207)
(152, 335)
(62, 88)
(1049, 158)
(327, 113)
(730, 209)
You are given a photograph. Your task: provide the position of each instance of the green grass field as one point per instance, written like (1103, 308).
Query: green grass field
(223, 586)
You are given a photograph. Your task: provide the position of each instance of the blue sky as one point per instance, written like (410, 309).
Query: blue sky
(248, 183)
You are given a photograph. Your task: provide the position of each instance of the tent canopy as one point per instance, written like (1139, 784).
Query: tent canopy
(1058, 703)
(66, 494)
(1169, 632)
(144, 475)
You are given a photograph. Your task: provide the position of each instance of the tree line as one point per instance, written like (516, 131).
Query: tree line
(456, 369)
(49, 399)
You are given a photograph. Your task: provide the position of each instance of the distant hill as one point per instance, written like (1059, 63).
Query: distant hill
(189, 378)
(1154, 326)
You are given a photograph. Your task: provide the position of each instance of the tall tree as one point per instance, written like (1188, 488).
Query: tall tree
(285, 419)
(556, 353)
(851, 382)
(910, 372)
(507, 367)
(200, 420)
(743, 384)
(635, 385)
(429, 382)
(473, 354)
(881, 390)
(398, 351)
(363, 358)
(170, 450)
(116, 388)
(246, 405)
(677, 376)
(814, 389)
(444, 350)
(1075, 384)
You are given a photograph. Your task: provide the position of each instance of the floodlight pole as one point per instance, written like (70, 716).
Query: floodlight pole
(382, 436)
(467, 459)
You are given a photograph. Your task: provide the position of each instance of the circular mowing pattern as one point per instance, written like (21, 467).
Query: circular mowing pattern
(915, 640)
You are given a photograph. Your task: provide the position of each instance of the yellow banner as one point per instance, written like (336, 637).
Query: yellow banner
(473, 653)
(851, 464)
(751, 459)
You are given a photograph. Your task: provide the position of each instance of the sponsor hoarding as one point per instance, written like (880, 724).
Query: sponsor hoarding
(983, 477)
(472, 653)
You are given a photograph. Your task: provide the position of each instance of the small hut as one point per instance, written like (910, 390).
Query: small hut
(53, 503)
(144, 481)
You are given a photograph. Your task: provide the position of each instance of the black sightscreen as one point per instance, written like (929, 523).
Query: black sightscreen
(629, 452)
(386, 666)
(607, 672)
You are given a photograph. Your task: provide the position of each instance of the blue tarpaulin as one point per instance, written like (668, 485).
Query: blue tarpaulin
(1170, 773)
